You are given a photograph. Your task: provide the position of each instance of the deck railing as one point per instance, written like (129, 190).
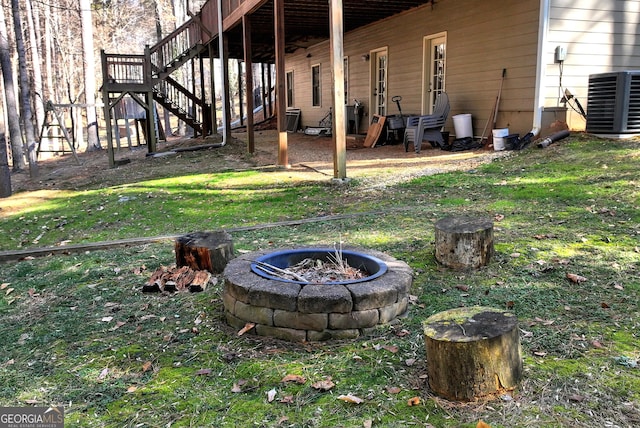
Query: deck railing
(125, 69)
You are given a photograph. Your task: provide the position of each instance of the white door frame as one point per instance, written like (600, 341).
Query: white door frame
(377, 103)
(433, 69)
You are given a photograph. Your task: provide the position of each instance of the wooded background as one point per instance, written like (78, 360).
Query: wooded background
(49, 51)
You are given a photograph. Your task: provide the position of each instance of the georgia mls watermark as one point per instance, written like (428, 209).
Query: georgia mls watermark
(32, 417)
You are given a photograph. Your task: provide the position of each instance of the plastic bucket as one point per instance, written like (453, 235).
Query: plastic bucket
(462, 125)
(499, 136)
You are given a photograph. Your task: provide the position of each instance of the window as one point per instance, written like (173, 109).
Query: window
(316, 98)
(289, 84)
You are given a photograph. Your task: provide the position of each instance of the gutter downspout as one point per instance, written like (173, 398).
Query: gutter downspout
(223, 93)
(543, 31)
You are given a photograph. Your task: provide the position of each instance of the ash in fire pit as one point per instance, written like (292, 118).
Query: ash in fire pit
(319, 266)
(308, 309)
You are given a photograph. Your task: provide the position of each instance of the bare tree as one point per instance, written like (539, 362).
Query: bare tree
(25, 92)
(89, 76)
(36, 67)
(15, 134)
(5, 173)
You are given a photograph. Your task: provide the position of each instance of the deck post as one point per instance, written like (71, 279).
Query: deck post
(337, 64)
(248, 65)
(281, 99)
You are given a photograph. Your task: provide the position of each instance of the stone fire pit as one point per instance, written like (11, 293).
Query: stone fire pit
(298, 311)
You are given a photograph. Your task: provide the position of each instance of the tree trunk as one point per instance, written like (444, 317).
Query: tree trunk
(464, 242)
(25, 99)
(208, 251)
(472, 353)
(89, 76)
(36, 67)
(5, 173)
(15, 134)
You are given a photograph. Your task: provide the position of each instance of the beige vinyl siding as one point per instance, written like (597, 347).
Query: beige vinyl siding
(482, 39)
(599, 36)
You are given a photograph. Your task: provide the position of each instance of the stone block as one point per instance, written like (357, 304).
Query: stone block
(275, 294)
(319, 336)
(318, 298)
(373, 295)
(300, 321)
(256, 314)
(355, 319)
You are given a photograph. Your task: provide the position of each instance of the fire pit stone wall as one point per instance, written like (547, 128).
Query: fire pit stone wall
(314, 312)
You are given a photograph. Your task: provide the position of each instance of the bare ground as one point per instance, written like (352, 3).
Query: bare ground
(309, 157)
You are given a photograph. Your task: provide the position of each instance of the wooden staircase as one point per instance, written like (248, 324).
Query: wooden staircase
(151, 74)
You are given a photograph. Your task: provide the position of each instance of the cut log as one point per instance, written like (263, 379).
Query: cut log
(472, 353)
(210, 251)
(464, 242)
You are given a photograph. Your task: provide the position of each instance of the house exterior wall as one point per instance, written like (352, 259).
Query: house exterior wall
(599, 37)
(483, 38)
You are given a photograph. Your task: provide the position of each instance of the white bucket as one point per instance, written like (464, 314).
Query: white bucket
(498, 138)
(462, 125)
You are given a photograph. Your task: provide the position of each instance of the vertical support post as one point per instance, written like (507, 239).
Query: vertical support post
(203, 105)
(248, 65)
(107, 108)
(264, 92)
(214, 112)
(337, 66)
(240, 95)
(151, 123)
(226, 105)
(281, 99)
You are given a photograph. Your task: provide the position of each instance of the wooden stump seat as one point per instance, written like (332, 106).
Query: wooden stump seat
(210, 251)
(464, 242)
(472, 353)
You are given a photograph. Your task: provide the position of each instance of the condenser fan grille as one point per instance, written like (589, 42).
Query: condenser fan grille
(613, 106)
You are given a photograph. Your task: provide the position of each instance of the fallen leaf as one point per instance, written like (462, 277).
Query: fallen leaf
(368, 423)
(323, 385)
(132, 388)
(604, 305)
(576, 278)
(393, 390)
(462, 287)
(248, 326)
(514, 255)
(403, 333)
(413, 401)
(236, 388)
(103, 373)
(288, 399)
(293, 378)
(203, 372)
(350, 398)
(8, 291)
(539, 353)
(146, 366)
(106, 319)
(618, 286)
(391, 348)
(510, 304)
(596, 344)
(575, 397)
(482, 424)
(498, 217)
(271, 395)
(410, 361)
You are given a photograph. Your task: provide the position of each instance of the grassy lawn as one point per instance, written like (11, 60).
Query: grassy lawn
(77, 331)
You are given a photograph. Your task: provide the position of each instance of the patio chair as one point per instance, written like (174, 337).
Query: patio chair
(428, 127)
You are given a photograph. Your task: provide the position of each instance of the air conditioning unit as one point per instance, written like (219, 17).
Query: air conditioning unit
(613, 105)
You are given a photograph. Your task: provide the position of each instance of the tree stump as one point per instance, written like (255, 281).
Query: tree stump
(472, 353)
(464, 242)
(210, 251)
